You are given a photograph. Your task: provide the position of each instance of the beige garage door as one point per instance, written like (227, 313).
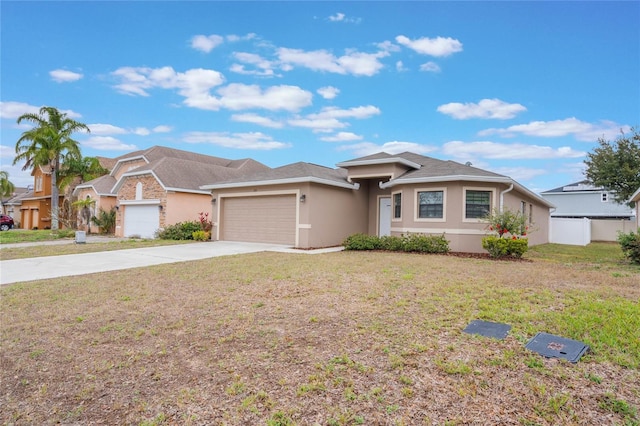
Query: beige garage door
(269, 219)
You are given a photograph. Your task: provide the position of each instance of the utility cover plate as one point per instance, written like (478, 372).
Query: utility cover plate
(551, 346)
(488, 329)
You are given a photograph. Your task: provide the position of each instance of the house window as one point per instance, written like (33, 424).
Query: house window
(397, 205)
(477, 204)
(523, 208)
(530, 214)
(39, 183)
(604, 197)
(139, 191)
(430, 204)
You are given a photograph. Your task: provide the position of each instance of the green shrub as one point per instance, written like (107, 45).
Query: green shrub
(502, 247)
(201, 235)
(105, 220)
(408, 243)
(496, 246)
(517, 247)
(630, 245)
(361, 242)
(179, 231)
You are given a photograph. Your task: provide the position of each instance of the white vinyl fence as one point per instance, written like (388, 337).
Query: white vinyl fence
(580, 232)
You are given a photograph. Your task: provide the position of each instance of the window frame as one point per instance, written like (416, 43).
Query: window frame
(492, 202)
(395, 218)
(416, 212)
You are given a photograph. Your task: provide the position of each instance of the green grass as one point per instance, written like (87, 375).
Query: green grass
(25, 236)
(599, 253)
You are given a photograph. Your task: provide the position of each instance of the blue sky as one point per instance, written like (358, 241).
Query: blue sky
(523, 89)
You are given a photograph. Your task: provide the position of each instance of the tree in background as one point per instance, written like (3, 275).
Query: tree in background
(6, 187)
(46, 143)
(616, 165)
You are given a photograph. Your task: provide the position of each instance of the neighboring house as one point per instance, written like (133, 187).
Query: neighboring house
(160, 186)
(307, 206)
(11, 205)
(583, 200)
(35, 206)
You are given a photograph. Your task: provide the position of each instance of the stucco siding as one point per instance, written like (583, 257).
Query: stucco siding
(183, 206)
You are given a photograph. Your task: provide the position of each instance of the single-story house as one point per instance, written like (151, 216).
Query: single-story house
(11, 204)
(306, 205)
(160, 186)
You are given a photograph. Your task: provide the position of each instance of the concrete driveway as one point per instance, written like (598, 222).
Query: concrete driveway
(38, 268)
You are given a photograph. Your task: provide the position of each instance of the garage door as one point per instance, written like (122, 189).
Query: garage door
(269, 219)
(142, 221)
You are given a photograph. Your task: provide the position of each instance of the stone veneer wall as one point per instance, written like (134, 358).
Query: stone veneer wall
(151, 190)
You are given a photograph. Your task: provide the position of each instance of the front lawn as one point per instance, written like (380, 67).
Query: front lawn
(336, 339)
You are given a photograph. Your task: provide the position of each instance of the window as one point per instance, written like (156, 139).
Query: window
(139, 191)
(430, 204)
(605, 197)
(530, 214)
(397, 205)
(477, 204)
(39, 183)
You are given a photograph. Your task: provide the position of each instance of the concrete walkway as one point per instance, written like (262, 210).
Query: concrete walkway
(38, 268)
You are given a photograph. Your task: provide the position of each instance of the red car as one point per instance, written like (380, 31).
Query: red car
(6, 222)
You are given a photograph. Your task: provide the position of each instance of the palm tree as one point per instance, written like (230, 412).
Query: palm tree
(6, 187)
(79, 170)
(46, 143)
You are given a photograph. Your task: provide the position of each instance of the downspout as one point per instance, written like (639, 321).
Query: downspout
(501, 206)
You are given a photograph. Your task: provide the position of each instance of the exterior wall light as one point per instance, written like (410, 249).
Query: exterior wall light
(213, 200)
(303, 198)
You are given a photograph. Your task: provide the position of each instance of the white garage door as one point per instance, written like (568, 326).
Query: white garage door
(142, 221)
(269, 219)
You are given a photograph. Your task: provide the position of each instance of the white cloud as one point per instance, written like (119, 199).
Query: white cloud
(342, 137)
(388, 46)
(162, 129)
(206, 43)
(355, 63)
(193, 84)
(400, 67)
(265, 67)
(253, 140)
(520, 173)
(329, 118)
(64, 76)
(439, 46)
(328, 92)
(257, 119)
(107, 143)
(393, 147)
(341, 17)
(101, 129)
(501, 151)
(581, 130)
(141, 131)
(486, 108)
(430, 67)
(13, 110)
(238, 96)
(236, 38)
(106, 129)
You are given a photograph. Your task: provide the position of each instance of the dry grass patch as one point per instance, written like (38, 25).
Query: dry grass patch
(336, 339)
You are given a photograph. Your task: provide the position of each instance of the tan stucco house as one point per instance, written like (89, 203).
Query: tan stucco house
(160, 186)
(307, 206)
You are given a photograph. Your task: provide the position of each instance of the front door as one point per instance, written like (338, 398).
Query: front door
(384, 217)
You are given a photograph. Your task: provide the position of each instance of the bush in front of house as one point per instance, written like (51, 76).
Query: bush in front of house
(179, 231)
(419, 243)
(630, 245)
(502, 247)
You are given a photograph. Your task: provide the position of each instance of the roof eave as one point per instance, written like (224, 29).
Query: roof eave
(453, 178)
(304, 179)
(372, 162)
